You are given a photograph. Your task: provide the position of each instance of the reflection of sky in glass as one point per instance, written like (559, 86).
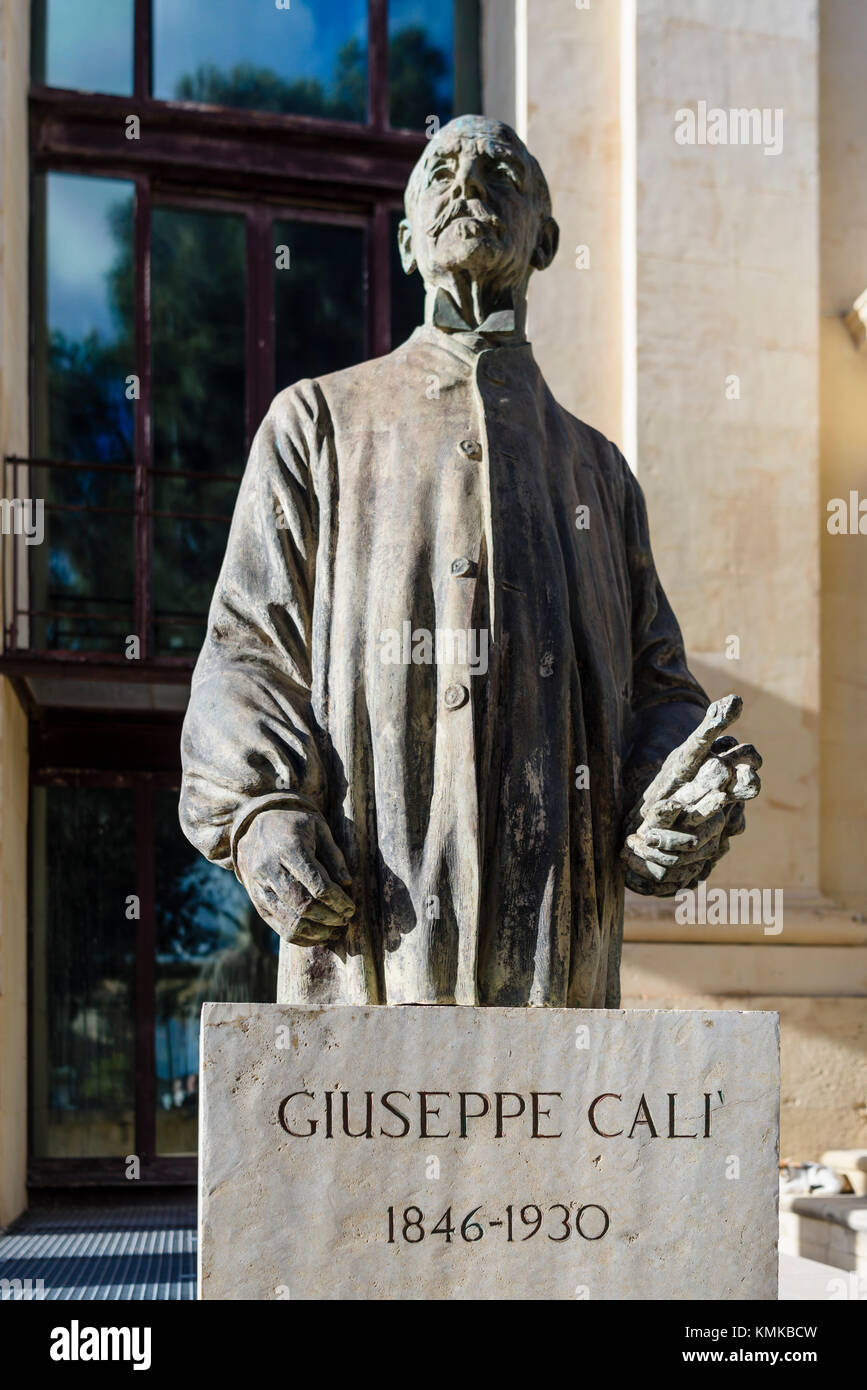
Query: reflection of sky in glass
(438, 23)
(300, 42)
(176, 1047)
(81, 251)
(89, 45)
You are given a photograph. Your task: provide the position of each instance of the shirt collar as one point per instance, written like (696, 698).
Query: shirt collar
(497, 330)
(467, 346)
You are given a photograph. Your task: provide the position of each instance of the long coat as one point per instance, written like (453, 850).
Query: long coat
(479, 799)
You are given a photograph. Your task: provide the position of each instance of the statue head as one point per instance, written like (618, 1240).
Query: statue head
(477, 207)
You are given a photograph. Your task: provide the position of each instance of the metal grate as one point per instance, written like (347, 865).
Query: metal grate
(102, 1251)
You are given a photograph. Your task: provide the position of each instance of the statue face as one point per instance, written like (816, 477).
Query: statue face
(475, 208)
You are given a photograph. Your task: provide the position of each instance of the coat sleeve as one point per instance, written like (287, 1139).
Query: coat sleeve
(249, 736)
(667, 700)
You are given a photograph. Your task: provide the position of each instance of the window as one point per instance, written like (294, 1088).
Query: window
(84, 1035)
(81, 578)
(87, 46)
(215, 197)
(132, 930)
(390, 61)
(306, 59)
(215, 192)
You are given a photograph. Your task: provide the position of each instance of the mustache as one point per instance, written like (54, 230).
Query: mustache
(465, 208)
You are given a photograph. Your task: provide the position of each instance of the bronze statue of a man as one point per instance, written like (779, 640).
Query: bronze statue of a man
(437, 719)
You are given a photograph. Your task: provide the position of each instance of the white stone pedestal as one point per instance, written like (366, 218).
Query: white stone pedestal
(433, 1153)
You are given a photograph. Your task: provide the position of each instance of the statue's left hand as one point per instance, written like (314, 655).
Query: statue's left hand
(693, 807)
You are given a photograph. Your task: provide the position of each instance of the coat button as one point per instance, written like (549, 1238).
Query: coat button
(463, 567)
(455, 696)
(472, 448)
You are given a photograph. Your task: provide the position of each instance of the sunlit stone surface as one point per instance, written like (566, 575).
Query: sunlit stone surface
(432, 1153)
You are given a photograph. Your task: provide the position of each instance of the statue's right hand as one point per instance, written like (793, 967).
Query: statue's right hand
(292, 870)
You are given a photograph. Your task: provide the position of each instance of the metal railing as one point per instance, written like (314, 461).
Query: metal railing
(32, 628)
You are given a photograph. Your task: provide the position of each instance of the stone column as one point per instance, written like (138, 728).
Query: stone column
(728, 354)
(14, 81)
(552, 70)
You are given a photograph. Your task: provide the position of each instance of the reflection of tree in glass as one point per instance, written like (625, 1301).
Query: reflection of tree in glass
(210, 942)
(90, 418)
(261, 89)
(199, 911)
(416, 72)
(198, 344)
(198, 356)
(88, 946)
(319, 302)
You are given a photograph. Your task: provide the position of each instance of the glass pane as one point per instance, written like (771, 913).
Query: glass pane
(199, 326)
(85, 322)
(84, 398)
(83, 845)
(87, 45)
(82, 583)
(433, 55)
(407, 292)
(199, 399)
(420, 62)
(308, 57)
(188, 551)
(318, 299)
(211, 944)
